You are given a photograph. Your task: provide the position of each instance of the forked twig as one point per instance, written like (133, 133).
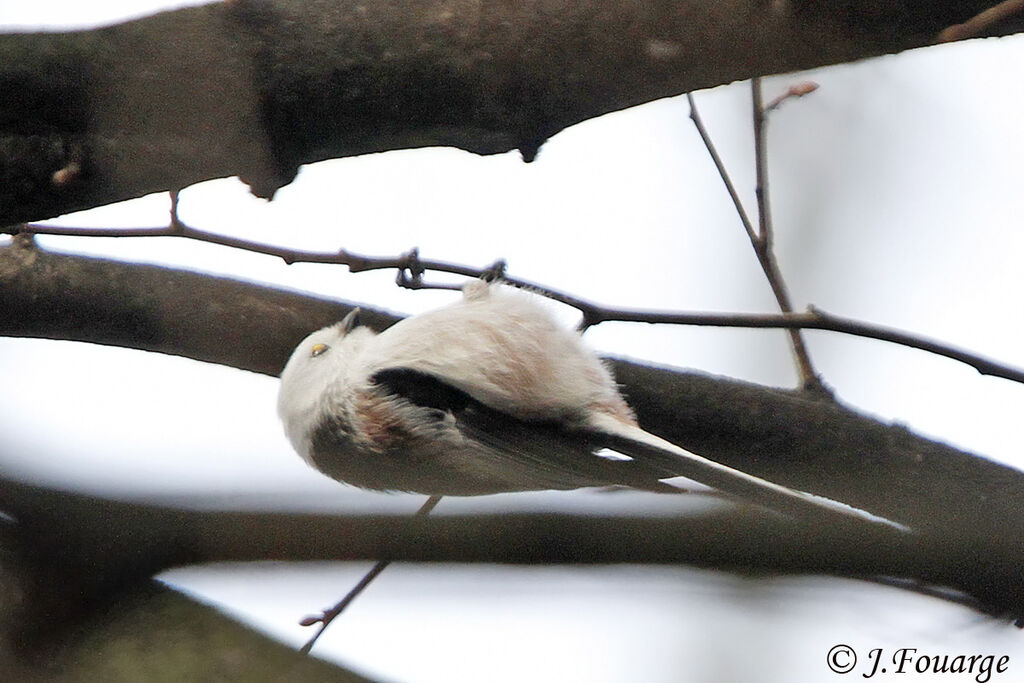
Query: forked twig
(765, 246)
(762, 237)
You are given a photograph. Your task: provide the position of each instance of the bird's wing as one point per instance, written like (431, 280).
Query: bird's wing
(483, 450)
(487, 451)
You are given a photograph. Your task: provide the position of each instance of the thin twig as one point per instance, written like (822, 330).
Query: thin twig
(705, 137)
(765, 246)
(329, 615)
(410, 266)
(795, 90)
(592, 313)
(816, 319)
(355, 262)
(764, 214)
(761, 238)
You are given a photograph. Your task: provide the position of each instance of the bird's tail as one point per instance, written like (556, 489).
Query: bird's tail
(639, 444)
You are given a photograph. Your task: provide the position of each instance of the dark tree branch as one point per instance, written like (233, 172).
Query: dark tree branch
(965, 509)
(99, 540)
(256, 88)
(780, 435)
(152, 633)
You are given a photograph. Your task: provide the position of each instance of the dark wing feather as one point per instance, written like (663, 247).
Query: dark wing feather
(493, 451)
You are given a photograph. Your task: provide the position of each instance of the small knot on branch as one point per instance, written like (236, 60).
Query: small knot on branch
(495, 272)
(410, 270)
(312, 620)
(591, 316)
(21, 236)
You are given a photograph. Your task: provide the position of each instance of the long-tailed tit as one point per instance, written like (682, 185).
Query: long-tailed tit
(487, 395)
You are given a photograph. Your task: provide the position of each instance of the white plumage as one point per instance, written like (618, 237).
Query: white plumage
(486, 395)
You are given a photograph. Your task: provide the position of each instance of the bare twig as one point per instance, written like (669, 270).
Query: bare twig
(764, 214)
(705, 137)
(765, 246)
(408, 263)
(761, 239)
(816, 319)
(795, 90)
(329, 615)
(410, 266)
(592, 313)
(977, 24)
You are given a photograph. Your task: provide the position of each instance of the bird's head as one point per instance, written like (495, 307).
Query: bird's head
(316, 378)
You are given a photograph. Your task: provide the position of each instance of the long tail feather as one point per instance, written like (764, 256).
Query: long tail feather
(637, 443)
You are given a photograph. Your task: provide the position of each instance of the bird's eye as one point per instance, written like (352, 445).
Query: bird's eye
(318, 349)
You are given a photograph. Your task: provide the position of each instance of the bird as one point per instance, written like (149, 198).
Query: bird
(489, 394)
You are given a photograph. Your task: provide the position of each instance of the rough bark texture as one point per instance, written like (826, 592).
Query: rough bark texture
(255, 88)
(150, 634)
(811, 444)
(101, 541)
(785, 435)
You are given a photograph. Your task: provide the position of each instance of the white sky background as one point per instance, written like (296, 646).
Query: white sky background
(897, 199)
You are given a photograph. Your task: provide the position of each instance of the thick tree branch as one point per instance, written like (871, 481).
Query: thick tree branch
(966, 509)
(92, 300)
(152, 633)
(103, 541)
(784, 436)
(255, 88)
